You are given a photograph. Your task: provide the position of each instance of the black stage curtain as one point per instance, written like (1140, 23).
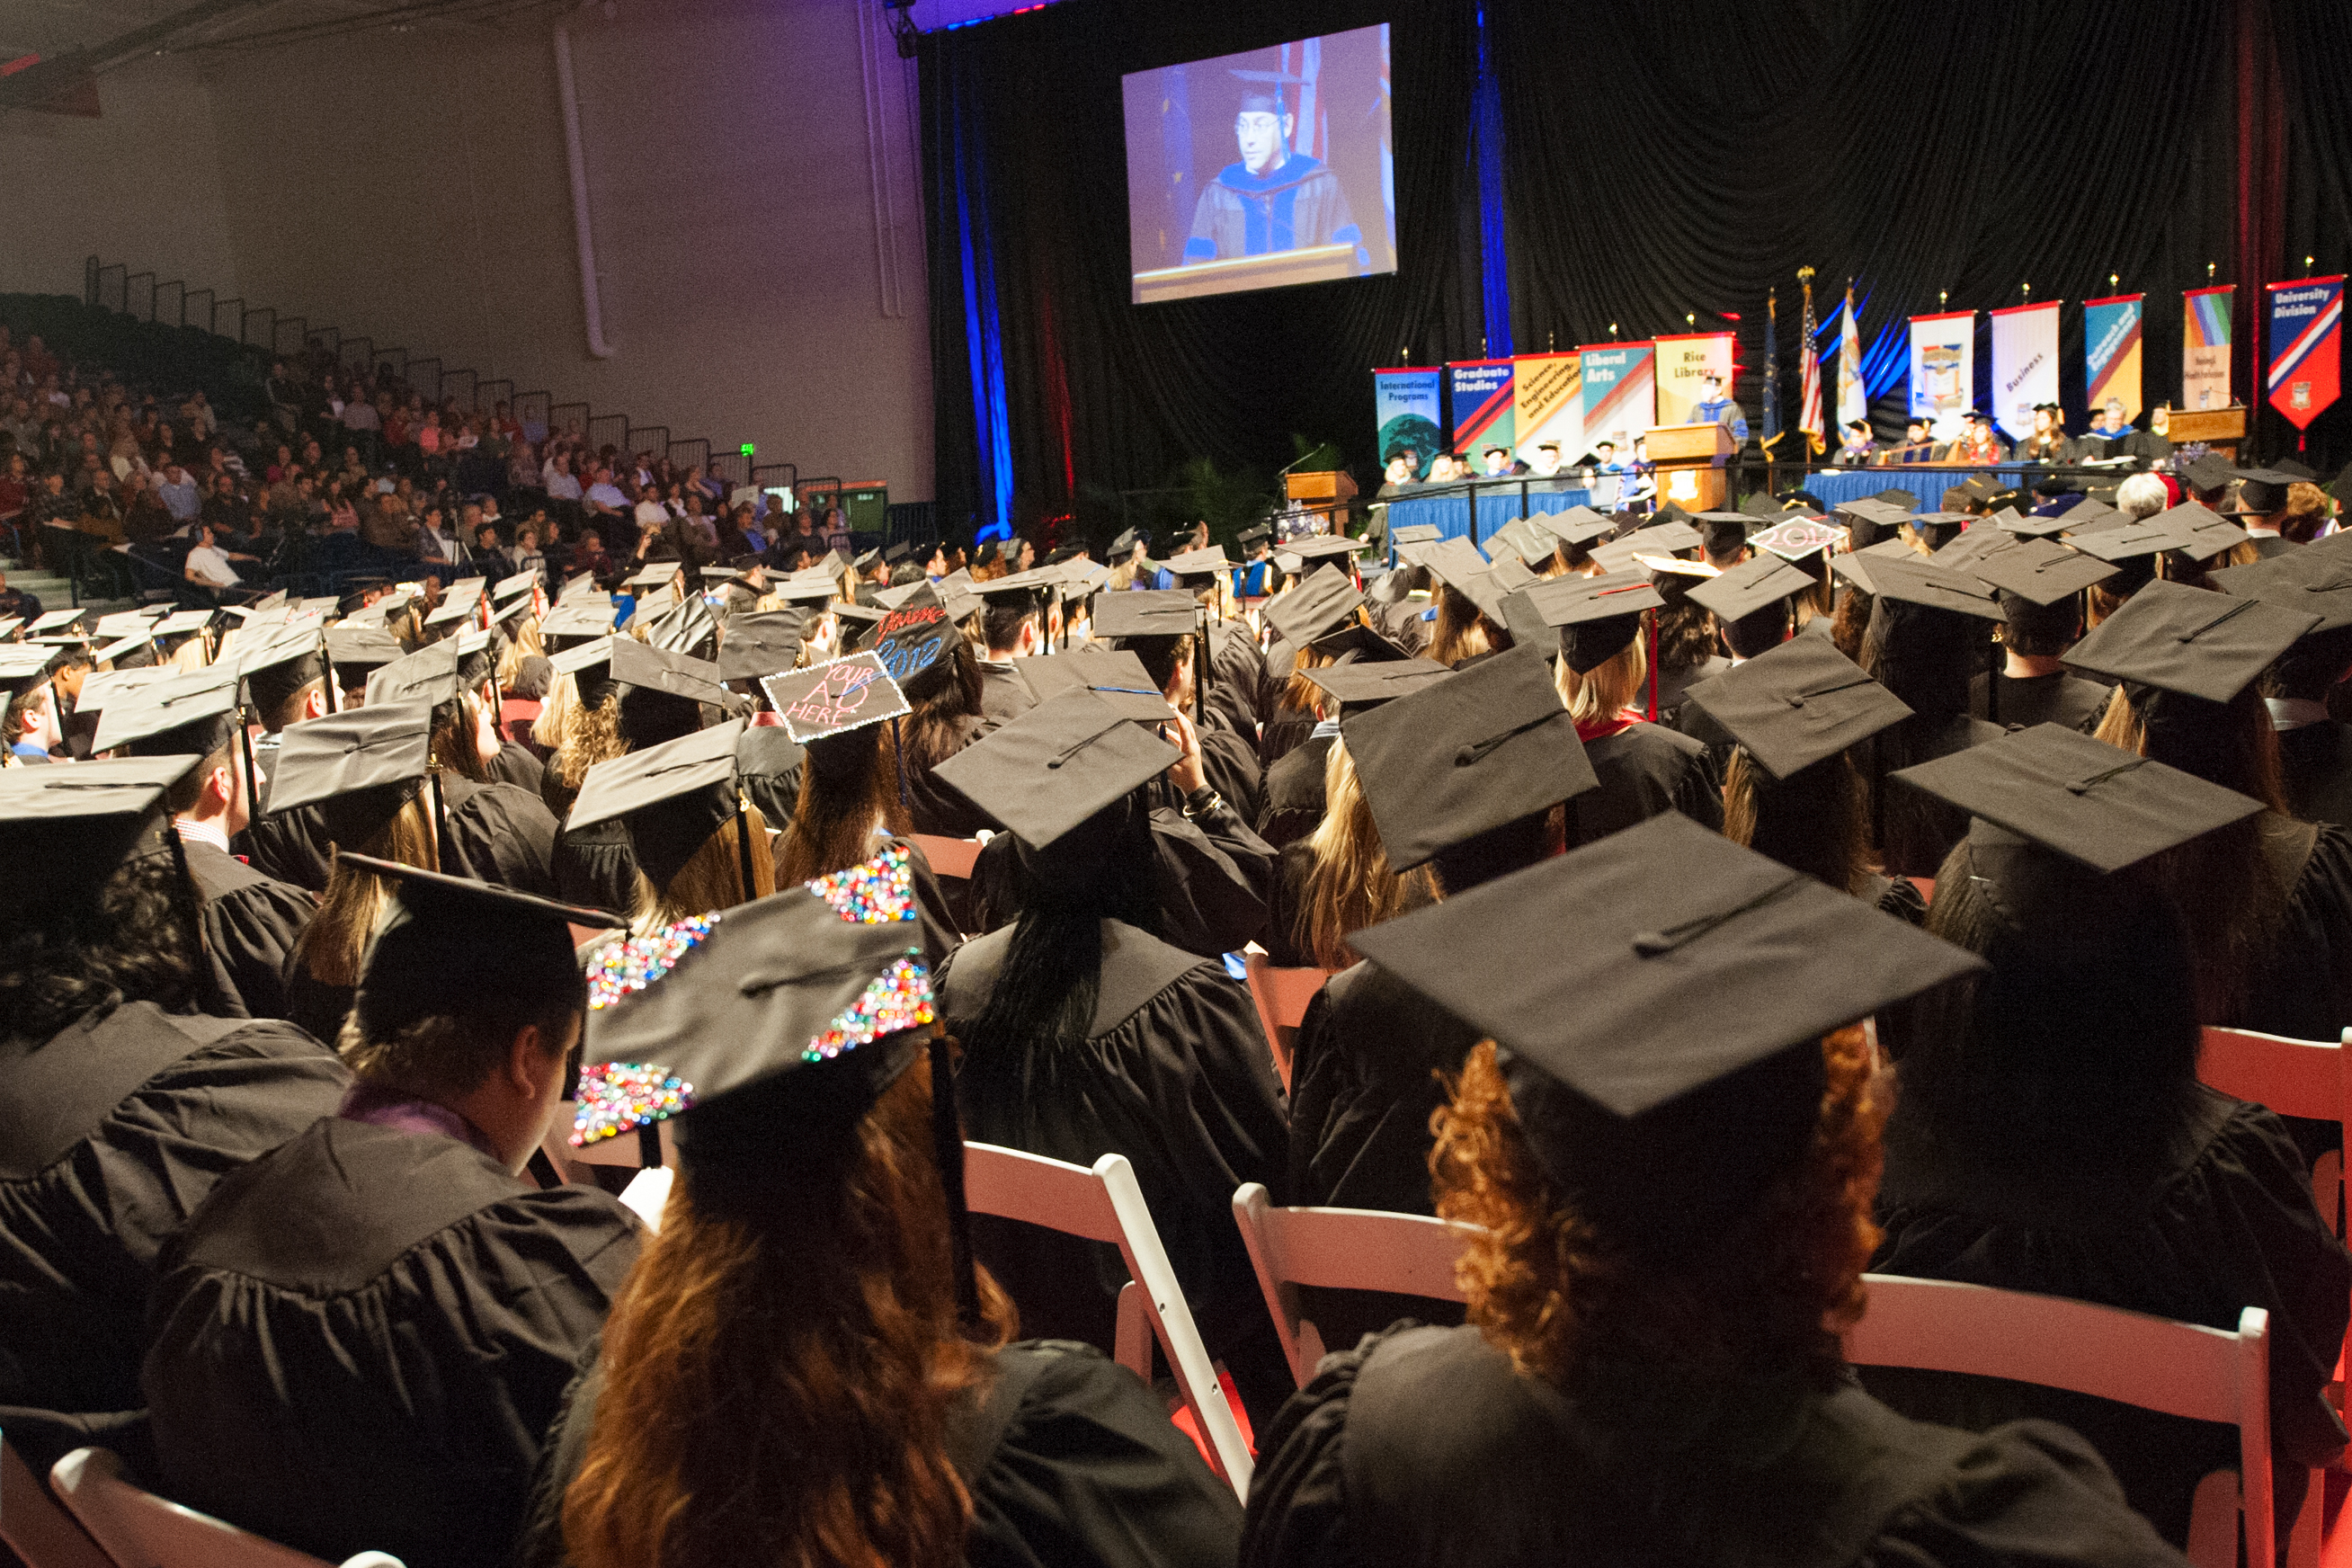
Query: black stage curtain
(1657, 161)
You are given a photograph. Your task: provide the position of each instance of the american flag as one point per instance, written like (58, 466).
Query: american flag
(1809, 399)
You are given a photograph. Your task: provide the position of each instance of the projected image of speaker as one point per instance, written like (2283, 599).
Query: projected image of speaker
(1262, 169)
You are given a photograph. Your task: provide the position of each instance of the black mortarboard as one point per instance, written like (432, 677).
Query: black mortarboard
(1667, 538)
(354, 650)
(865, 560)
(669, 797)
(102, 688)
(2260, 491)
(894, 553)
(1909, 579)
(1598, 616)
(1970, 545)
(1113, 675)
(657, 576)
(65, 829)
(1522, 539)
(2209, 473)
(2041, 570)
(1797, 704)
(2133, 541)
(2189, 640)
(1127, 542)
(1754, 584)
(195, 712)
(1358, 643)
(1579, 526)
(2315, 580)
(1902, 501)
(1315, 547)
(360, 766)
(180, 623)
(59, 620)
(1723, 531)
(1252, 535)
(834, 698)
(277, 665)
(1364, 683)
(1322, 602)
(578, 618)
(759, 642)
(1203, 562)
(1489, 745)
(1147, 612)
(802, 589)
(520, 582)
(2010, 520)
(1056, 766)
(1447, 559)
(1654, 1107)
(1509, 575)
(428, 675)
(686, 626)
(2203, 533)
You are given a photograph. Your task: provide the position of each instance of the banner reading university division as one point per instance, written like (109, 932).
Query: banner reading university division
(2111, 339)
(2306, 338)
(1684, 362)
(1943, 369)
(1621, 393)
(2024, 364)
(1406, 407)
(2205, 346)
(1550, 396)
(1478, 391)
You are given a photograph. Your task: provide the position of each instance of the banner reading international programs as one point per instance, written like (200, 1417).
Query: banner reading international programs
(2110, 341)
(1684, 365)
(1620, 393)
(1410, 416)
(2024, 364)
(1548, 390)
(1479, 393)
(1943, 369)
(2306, 331)
(2205, 346)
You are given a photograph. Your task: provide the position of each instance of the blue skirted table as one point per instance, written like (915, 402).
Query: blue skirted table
(1838, 486)
(1501, 502)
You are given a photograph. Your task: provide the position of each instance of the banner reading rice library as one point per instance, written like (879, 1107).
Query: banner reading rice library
(1620, 399)
(1943, 369)
(1684, 362)
(1410, 414)
(1479, 394)
(2205, 346)
(1550, 405)
(2024, 364)
(2306, 331)
(2111, 340)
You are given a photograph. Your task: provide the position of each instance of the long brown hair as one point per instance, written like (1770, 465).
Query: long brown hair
(333, 943)
(711, 878)
(849, 789)
(590, 735)
(1461, 631)
(1817, 820)
(781, 1365)
(1349, 886)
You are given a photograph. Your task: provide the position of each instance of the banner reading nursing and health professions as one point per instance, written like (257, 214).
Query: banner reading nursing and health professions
(1943, 369)
(2111, 337)
(1478, 392)
(1411, 418)
(1549, 393)
(2205, 346)
(1621, 393)
(1684, 362)
(2306, 331)
(2024, 364)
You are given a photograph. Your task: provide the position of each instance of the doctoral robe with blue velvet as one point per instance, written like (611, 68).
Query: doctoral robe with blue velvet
(1299, 204)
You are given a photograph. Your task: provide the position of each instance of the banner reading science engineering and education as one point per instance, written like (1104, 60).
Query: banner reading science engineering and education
(1550, 392)
(2111, 339)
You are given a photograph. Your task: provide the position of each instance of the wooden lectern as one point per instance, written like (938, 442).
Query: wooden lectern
(1275, 269)
(1689, 461)
(2221, 429)
(1328, 494)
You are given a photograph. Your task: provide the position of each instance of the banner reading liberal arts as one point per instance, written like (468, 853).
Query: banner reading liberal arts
(1550, 405)
(2306, 338)
(1684, 365)
(2111, 340)
(1943, 369)
(1406, 407)
(2024, 364)
(1478, 393)
(1620, 393)
(2205, 346)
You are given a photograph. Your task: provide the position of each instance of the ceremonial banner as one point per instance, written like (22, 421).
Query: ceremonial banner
(2024, 364)
(1684, 362)
(1620, 393)
(1406, 407)
(2205, 346)
(1943, 369)
(2111, 339)
(1548, 393)
(2306, 331)
(1478, 392)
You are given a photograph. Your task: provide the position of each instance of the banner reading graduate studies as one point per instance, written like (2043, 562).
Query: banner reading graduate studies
(1410, 417)
(2205, 346)
(2307, 337)
(1621, 393)
(2024, 364)
(1943, 369)
(1479, 394)
(1549, 392)
(2111, 340)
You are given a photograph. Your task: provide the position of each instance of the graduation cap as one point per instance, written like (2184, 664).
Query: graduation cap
(1510, 574)
(2041, 570)
(1900, 499)
(1579, 526)
(278, 665)
(1442, 765)
(835, 698)
(2209, 473)
(127, 624)
(2189, 640)
(1667, 538)
(578, 618)
(449, 946)
(180, 624)
(1723, 531)
(1597, 616)
(1128, 541)
(917, 641)
(1248, 536)
(2260, 491)
(59, 620)
(581, 586)
(1521, 539)
(804, 589)
(23, 668)
(901, 551)
(865, 561)
(685, 628)
(670, 798)
(1056, 766)
(1907, 579)
(103, 687)
(1206, 562)
(521, 583)
(1147, 612)
(2132, 541)
(360, 766)
(428, 675)
(9, 626)
(1357, 644)
(195, 713)
(760, 643)
(858, 623)
(2204, 533)
(351, 649)
(1413, 533)
(1971, 545)
(66, 829)
(510, 613)
(2011, 522)
(1756, 583)
(1797, 704)
(453, 608)
(2315, 580)
(2096, 805)
(1316, 547)
(1318, 604)
(1652, 1106)
(1798, 538)
(1362, 684)
(1113, 675)
(657, 576)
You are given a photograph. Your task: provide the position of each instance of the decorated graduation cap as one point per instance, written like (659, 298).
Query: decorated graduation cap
(1798, 704)
(1651, 1107)
(1798, 538)
(1113, 675)
(2039, 570)
(917, 641)
(2189, 640)
(2315, 580)
(449, 946)
(1756, 583)
(1320, 603)
(1145, 612)
(359, 768)
(1463, 757)
(66, 829)
(1597, 618)
(835, 698)
(193, 714)
(1361, 685)
(760, 643)
(1056, 766)
(669, 798)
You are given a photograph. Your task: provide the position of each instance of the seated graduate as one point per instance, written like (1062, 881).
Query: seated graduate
(1320, 624)
(806, 1366)
(1673, 1194)
(360, 1340)
(2050, 1134)
(699, 842)
(1085, 1031)
(1013, 623)
(938, 671)
(2041, 584)
(127, 1095)
(251, 922)
(1161, 628)
(2269, 898)
(2314, 749)
(1463, 627)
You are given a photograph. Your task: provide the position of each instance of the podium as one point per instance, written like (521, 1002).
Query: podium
(1689, 461)
(1329, 494)
(2218, 427)
(1275, 269)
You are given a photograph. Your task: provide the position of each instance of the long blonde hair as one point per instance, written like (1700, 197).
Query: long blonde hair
(1349, 886)
(335, 942)
(711, 878)
(1607, 689)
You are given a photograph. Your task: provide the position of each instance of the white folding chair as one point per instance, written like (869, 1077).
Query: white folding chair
(1342, 1249)
(2181, 1368)
(139, 1530)
(2311, 1078)
(34, 1527)
(1105, 1205)
(949, 856)
(1282, 997)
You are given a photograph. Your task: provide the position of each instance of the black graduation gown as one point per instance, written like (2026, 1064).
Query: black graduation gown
(1294, 793)
(110, 1134)
(2302, 986)
(1176, 1075)
(1285, 937)
(1672, 684)
(251, 924)
(359, 1342)
(499, 834)
(1004, 695)
(517, 766)
(934, 807)
(2059, 698)
(1423, 1447)
(596, 866)
(1644, 769)
(2225, 1221)
(1212, 881)
(769, 761)
(2315, 760)
(2267, 545)
(1067, 1458)
(1229, 765)
(292, 847)
(1237, 677)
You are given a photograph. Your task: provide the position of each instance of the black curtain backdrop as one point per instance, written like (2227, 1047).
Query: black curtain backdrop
(1658, 160)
